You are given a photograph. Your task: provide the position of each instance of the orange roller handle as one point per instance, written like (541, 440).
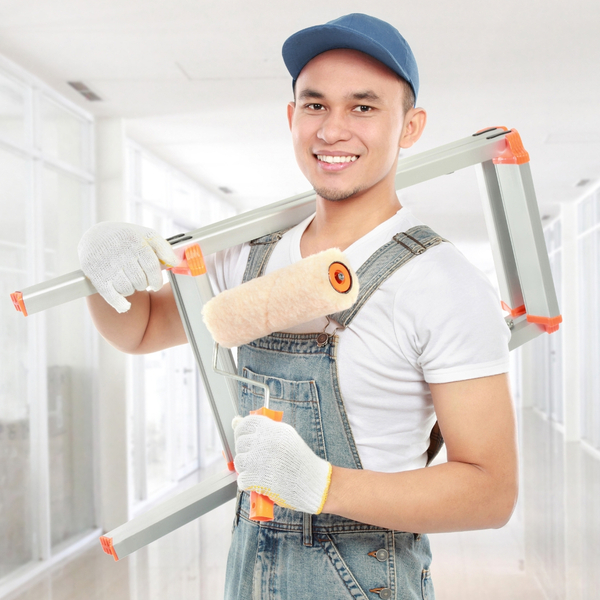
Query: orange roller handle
(261, 507)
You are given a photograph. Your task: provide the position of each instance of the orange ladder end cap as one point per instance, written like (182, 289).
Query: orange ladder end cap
(192, 263)
(550, 324)
(107, 546)
(19, 304)
(195, 260)
(514, 153)
(514, 312)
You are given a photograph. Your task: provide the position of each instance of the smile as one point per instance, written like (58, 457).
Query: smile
(336, 159)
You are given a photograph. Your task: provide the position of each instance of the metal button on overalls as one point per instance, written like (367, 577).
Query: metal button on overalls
(380, 555)
(384, 593)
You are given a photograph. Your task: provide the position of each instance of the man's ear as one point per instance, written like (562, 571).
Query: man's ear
(290, 112)
(414, 124)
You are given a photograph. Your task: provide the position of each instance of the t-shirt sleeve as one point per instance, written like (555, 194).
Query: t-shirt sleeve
(451, 318)
(226, 268)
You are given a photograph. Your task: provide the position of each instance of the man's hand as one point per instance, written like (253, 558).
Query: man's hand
(120, 258)
(273, 460)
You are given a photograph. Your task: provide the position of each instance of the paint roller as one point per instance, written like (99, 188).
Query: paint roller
(314, 287)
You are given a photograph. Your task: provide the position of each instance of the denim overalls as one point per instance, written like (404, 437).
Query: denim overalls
(300, 556)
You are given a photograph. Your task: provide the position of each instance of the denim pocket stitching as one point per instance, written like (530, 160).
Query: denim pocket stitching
(425, 577)
(334, 556)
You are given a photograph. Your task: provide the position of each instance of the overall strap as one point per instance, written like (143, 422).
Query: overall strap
(260, 251)
(385, 261)
(378, 267)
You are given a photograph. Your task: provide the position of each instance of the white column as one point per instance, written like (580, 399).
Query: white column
(112, 370)
(527, 370)
(571, 395)
(569, 326)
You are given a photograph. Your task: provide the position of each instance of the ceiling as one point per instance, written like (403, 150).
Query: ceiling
(201, 83)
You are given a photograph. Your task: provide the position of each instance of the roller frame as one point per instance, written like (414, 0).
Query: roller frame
(520, 258)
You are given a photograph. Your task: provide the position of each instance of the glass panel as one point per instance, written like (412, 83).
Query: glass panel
(63, 134)
(595, 335)
(156, 375)
(16, 533)
(185, 204)
(153, 184)
(587, 318)
(12, 111)
(69, 366)
(184, 409)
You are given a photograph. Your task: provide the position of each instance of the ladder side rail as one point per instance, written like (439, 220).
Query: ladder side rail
(429, 165)
(499, 236)
(527, 236)
(170, 515)
(213, 238)
(191, 293)
(280, 215)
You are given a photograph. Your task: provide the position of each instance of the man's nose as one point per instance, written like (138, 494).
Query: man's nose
(334, 128)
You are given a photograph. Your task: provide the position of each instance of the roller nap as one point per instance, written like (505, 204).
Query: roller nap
(316, 286)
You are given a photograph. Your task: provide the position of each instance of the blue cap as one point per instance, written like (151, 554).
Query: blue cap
(356, 32)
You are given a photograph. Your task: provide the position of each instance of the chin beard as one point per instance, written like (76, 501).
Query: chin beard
(336, 195)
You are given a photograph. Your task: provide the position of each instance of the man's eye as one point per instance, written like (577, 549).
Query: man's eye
(315, 106)
(363, 109)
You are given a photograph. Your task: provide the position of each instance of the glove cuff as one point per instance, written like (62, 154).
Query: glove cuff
(326, 491)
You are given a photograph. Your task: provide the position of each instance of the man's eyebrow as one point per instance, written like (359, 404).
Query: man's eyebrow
(308, 93)
(366, 95)
(369, 95)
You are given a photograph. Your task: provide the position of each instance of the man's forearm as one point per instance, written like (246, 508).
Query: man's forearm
(452, 496)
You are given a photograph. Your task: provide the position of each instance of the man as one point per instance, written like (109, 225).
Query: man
(425, 339)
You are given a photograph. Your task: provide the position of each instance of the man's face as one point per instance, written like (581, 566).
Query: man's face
(347, 124)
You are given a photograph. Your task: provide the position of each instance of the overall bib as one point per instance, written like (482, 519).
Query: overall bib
(299, 556)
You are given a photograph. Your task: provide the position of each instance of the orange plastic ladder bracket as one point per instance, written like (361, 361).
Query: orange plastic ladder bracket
(514, 153)
(17, 300)
(550, 324)
(192, 264)
(514, 312)
(107, 546)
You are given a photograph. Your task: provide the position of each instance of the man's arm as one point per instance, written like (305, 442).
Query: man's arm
(476, 488)
(151, 324)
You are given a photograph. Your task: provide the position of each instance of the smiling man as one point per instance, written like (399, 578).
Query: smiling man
(425, 341)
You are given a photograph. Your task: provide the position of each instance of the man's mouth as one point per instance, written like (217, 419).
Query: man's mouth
(336, 159)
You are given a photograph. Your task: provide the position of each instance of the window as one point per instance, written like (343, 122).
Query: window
(548, 364)
(176, 434)
(589, 319)
(46, 429)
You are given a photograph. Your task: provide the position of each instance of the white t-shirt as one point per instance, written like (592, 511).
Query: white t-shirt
(437, 319)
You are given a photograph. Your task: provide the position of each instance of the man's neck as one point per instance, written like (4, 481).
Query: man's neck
(338, 224)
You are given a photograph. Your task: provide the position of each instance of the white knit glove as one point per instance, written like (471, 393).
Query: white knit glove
(272, 459)
(120, 258)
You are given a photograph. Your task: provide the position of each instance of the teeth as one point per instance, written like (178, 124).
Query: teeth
(336, 159)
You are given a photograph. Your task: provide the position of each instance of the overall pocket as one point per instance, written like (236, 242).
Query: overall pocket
(364, 561)
(298, 400)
